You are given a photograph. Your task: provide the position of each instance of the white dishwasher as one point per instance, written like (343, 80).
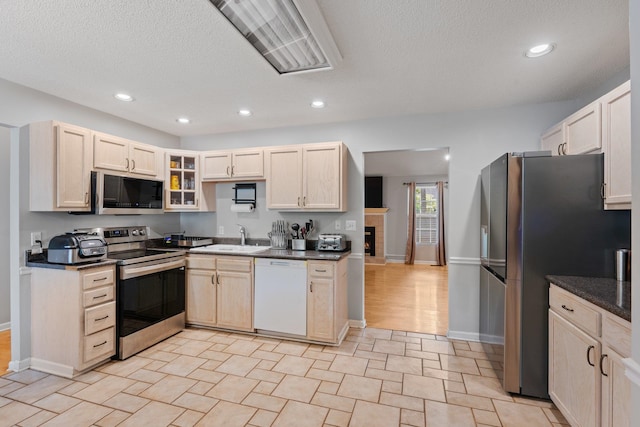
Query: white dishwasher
(280, 296)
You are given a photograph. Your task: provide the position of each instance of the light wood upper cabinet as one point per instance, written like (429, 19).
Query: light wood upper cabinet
(583, 130)
(233, 165)
(183, 187)
(122, 155)
(307, 177)
(586, 374)
(554, 140)
(60, 167)
(616, 143)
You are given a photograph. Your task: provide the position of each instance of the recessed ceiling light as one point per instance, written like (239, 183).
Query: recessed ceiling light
(244, 112)
(539, 50)
(447, 157)
(183, 120)
(121, 96)
(317, 104)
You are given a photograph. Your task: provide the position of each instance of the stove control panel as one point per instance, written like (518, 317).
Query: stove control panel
(112, 235)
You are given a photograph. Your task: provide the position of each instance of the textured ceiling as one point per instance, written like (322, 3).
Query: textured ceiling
(401, 57)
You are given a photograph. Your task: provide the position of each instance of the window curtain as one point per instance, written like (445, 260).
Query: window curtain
(410, 253)
(441, 257)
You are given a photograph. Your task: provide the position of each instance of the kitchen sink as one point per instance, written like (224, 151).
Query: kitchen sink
(230, 249)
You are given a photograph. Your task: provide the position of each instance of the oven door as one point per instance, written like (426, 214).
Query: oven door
(149, 293)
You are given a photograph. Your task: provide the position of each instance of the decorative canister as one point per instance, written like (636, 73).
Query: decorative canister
(175, 182)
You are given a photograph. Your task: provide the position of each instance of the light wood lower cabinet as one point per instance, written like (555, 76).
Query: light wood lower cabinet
(327, 318)
(586, 374)
(73, 317)
(220, 292)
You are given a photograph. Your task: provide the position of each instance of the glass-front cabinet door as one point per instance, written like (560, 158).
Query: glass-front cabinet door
(182, 182)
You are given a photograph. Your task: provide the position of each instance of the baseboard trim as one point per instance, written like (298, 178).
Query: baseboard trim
(19, 365)
(464, 260)
(491, 339)
(52, 368)
(464, 336)
(632, 370)
(5, 326)
(360, 324)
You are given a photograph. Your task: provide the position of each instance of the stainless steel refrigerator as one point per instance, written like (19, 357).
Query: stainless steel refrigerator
(540, 215)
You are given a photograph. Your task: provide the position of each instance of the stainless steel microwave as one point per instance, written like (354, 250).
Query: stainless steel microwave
(123, 195)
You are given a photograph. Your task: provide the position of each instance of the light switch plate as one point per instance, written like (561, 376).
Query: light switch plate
(338, 226)
(220, 230)
(350, 225)
(36, 235)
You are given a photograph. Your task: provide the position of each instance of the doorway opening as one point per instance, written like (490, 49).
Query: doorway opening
(407, 297)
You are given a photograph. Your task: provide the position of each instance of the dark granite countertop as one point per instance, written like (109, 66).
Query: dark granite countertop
(599, 291)
(40, 261)
(285, 254)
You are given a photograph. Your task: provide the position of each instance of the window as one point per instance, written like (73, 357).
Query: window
(426, 214)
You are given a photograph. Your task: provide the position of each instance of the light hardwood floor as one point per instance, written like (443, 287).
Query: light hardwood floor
(5, 351)
(407, 297)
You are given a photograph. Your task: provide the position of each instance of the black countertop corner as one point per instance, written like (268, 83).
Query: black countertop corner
(603, 292)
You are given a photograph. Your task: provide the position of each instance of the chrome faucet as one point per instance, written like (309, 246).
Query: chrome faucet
(243, 235)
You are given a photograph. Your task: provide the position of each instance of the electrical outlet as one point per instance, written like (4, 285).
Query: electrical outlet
(350, 225)
(338, 226)
(36, 235)
(220, 230)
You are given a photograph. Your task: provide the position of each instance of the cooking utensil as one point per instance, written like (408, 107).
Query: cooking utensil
(295, 227)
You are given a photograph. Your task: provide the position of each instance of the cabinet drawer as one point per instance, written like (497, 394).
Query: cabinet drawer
(235, 264)
(97, 296)
(616, 333)
(93, 279)
(202, 262)
(320, 270)
(100, 345)
(99, 318)
(569, 306)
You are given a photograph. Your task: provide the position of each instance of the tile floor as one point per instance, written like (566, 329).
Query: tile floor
(199, 377)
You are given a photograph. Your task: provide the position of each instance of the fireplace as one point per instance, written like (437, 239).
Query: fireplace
(370, 241)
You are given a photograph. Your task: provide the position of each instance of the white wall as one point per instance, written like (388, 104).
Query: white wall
(634, 38)
(5, 154)
(18, 107)
(474, 139)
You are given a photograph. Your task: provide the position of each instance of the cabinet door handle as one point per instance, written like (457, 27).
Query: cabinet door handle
(228, 171)
(101, 344)
(218, 278)
(310, 286)
(603, 191)
(100, 279)
(100, 296)
(86, 197)
(299, 202)
(101, 318)
(320, 271)
(564, 148)
(602, 357)
(133, 164)
(591, 347)
(567, 308)
(127, 167)
(213, 279)
(232, 167)
(559, 147)
(304, 201)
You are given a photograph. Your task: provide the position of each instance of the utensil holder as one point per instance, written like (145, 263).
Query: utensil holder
(298, 244)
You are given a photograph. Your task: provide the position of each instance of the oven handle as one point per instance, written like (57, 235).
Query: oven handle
(131, 272)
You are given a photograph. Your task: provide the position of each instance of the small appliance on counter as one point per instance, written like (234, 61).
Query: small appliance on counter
(332, 242)
(76, 248)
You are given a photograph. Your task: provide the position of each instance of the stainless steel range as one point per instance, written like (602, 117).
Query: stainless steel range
(150, 289)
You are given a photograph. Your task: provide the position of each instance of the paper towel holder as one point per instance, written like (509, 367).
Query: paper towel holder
(245, 193)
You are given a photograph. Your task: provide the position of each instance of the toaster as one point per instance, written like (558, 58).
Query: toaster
(332, 242)
(73, 248)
